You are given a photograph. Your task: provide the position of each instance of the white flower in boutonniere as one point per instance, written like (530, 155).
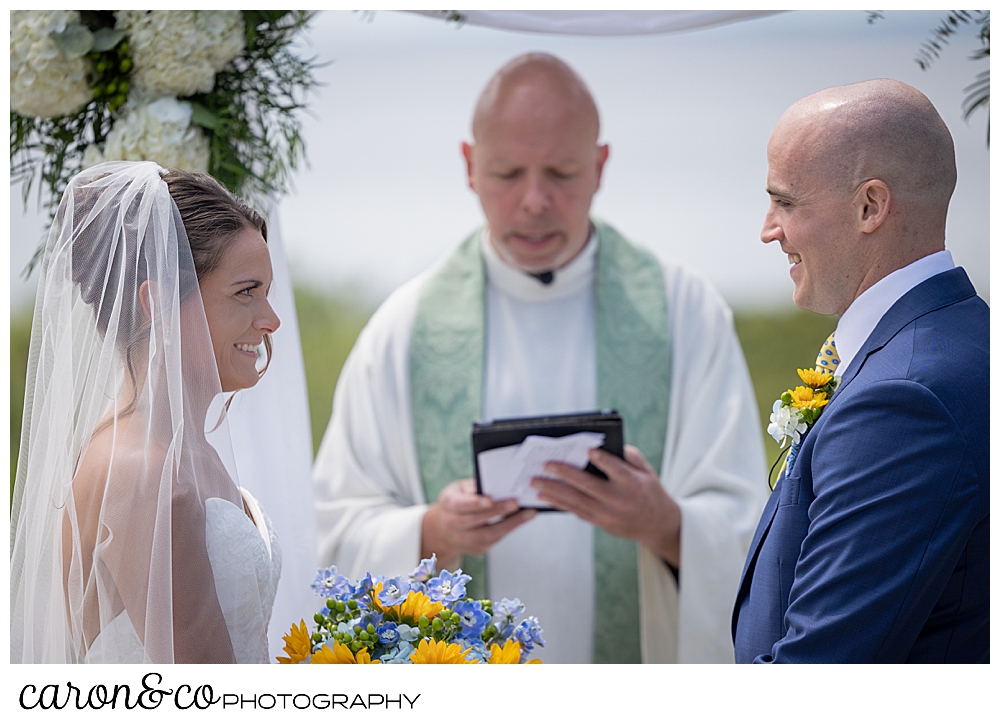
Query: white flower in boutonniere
(798, 409)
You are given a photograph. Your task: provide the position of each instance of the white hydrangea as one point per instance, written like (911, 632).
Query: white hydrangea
(178, 52)
(43, 84)
(160, 131)
(786, 421)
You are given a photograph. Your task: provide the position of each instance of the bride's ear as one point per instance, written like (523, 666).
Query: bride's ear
(144, 300)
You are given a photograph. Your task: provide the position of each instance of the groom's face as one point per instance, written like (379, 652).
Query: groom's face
(536, 166)
(810, 216)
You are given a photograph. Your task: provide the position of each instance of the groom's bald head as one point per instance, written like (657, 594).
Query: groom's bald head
(882, 129)
(860, 177)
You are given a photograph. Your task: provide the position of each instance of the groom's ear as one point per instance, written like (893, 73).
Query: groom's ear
(144, 300)
(875, 198)
(467, 153)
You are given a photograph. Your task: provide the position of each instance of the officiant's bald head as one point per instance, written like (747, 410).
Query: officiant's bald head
(535, 162)
(545, 84)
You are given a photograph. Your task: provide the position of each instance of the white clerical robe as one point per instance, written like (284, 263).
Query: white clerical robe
(541, 358)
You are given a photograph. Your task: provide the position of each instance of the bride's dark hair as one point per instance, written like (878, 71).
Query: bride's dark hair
(212, 218)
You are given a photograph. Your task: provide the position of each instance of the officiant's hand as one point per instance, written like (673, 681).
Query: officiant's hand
(631, 503)
(459, 523)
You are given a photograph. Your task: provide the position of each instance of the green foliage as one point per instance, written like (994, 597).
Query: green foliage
(328, 325)
(250, 116)
(979, 91)
(20, 336)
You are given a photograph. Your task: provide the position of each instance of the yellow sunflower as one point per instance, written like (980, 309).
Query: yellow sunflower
(438, 652)
(417, 604)
(509, 654)
(808, 398)
(342, 654)
(815, 378)
(297, 644)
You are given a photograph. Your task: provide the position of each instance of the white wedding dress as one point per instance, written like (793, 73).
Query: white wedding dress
(246, 565)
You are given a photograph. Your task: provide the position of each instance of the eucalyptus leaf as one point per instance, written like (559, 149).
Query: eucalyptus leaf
(201, 116)
(74, 42)
(107, 38)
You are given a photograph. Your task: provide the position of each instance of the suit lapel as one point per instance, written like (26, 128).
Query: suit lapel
(939, 291)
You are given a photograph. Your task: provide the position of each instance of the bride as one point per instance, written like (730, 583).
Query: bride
(132, 541)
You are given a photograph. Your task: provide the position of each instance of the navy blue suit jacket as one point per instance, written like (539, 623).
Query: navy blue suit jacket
(874, 547)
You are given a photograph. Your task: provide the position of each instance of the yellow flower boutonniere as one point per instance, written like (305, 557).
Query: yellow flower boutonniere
(798, 409)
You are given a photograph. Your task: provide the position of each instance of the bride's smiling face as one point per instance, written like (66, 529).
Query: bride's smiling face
(237, 309)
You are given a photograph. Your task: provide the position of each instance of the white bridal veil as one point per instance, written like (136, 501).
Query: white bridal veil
(123, 439)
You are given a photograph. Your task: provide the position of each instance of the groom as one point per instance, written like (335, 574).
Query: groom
(874, 546)
(548, 311)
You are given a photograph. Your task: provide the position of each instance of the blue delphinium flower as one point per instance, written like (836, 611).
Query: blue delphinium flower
(370, 617)
(364, 592)
(394, 591)
(330, 584)
(448, 587)
(504, 614)
(388, 636)
(508, 607)
(398, 655)
(426, 570)
(472, 618)
(528, 633)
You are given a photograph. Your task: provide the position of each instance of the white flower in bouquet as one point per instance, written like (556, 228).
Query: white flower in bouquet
(178, 52)
(43, 83)
(160, 131)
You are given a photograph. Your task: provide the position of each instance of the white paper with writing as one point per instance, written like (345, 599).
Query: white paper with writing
(506, 472)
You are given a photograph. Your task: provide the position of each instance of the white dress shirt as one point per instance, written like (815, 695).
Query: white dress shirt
(861, 318)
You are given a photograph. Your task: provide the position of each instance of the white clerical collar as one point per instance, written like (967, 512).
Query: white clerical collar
(861, 318)
(567, 281)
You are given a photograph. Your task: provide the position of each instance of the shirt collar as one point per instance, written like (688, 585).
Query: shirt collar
(568, 280)
(861, 318)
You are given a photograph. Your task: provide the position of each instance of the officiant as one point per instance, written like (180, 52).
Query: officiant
(546, 310)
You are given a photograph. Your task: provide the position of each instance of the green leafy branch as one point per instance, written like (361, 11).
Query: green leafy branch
(250, 116)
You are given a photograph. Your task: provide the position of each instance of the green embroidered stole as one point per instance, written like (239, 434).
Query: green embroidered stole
(633, 358)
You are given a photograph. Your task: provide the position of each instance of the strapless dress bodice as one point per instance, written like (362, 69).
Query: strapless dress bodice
(246, 565)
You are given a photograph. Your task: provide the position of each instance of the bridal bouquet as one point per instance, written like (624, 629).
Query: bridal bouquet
(216, 91)
(422, 618)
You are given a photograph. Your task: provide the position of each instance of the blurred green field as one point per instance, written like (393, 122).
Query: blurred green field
(775, 344)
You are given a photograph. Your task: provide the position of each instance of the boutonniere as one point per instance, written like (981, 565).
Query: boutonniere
(798, 409)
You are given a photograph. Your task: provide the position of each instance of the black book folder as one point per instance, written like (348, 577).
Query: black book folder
(513, 431)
